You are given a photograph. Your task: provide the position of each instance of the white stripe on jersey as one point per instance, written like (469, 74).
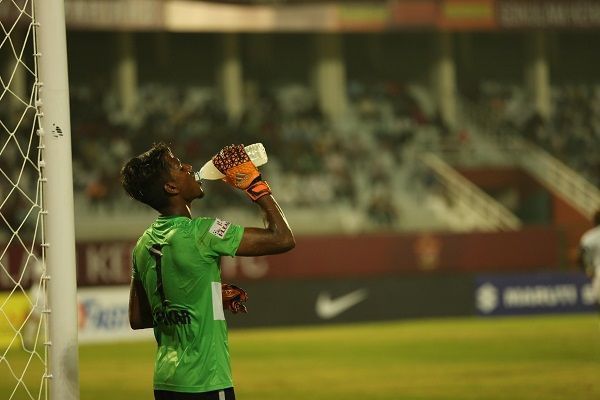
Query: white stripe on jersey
(217, 302)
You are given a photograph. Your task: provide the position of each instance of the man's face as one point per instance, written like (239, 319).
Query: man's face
(183, 177)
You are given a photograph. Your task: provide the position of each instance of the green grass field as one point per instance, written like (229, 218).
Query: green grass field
(546, 357)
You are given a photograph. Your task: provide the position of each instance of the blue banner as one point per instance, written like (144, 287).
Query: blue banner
(555, 292)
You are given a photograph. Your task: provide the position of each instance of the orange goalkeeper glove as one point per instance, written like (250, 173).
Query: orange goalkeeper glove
(240, 172)
(234, 298)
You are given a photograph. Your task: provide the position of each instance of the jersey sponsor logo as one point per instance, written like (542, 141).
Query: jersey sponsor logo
(219, 228)
(172, 317)
(328, 307)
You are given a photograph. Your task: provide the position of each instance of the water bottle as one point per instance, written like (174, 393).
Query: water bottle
(256, 152)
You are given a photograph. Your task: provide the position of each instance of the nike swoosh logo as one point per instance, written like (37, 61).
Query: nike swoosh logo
(328, 308)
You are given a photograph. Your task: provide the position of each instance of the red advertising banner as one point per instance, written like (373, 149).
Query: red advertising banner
(109, 263)
(414, 13)
(529, 249)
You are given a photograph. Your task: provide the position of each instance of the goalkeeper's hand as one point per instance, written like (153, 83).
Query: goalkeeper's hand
(234, 298)
(240, 172)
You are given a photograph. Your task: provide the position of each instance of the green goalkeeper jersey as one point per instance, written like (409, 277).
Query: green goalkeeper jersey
(177, 261)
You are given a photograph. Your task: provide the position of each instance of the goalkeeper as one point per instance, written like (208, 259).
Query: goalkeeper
(176, 282)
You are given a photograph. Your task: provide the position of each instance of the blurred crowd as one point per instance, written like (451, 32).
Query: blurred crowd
(571, 132)
(357, 163)
(312, 162)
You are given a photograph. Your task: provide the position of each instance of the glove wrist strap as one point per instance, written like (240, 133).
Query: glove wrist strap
(257, 190)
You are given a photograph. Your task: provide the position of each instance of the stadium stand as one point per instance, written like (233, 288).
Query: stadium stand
(325, 165)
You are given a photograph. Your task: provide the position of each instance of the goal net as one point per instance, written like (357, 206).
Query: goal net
(25, 324)
(23, 361)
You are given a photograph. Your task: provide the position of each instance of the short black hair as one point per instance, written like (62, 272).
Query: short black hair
(143, 177)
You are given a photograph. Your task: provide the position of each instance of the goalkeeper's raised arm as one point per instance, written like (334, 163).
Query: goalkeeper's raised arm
(242, 174)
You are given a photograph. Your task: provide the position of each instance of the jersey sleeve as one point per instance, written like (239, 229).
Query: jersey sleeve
(220, 236)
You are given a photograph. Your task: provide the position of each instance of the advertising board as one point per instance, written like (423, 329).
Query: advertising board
(103, 315)
(556, 292)
(108, 263)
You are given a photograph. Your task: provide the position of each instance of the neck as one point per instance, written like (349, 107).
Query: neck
(180, 210)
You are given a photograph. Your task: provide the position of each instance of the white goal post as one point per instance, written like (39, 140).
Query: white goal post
(55, 133)
(38, 327)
